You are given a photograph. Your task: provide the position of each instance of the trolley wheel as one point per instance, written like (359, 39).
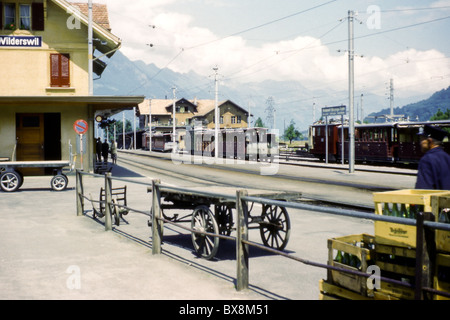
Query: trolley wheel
(203, 221)
(59, 182)
(10, 180)
(275, 227)
(224, 216)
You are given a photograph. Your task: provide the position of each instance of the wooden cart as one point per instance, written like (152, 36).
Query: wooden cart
(11, 178)
(273, 221)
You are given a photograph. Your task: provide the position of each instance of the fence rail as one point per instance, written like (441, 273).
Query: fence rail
(242, 242)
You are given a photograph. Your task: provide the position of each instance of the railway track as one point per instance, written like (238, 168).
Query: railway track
(296, 160)
(141, 162)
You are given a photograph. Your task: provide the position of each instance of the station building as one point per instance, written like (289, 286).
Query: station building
(44, 78)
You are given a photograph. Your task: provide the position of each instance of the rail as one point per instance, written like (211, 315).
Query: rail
(422, 277)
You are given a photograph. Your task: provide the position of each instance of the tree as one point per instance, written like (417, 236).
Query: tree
(259, 123)
(441, 115)
(291, 133)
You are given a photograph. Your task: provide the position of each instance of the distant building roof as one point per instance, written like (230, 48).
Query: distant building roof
(99, 13)
(164, 106)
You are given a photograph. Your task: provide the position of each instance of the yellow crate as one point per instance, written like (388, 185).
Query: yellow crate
(442, 237)
(442, 275)
(396, 290)
(397, 234)
(348, 245)
(330, 291)
(399, 260)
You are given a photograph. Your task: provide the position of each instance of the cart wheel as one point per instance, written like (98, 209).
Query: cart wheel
(275, 227)
(10, 180)
(115, 213)
(224, 215)
(203, 220)
(59, 182)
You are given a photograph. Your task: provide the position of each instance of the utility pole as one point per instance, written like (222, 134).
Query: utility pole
(351, 58)
(174, 121)
(391, 97)
(134, 128)
(217, 114)
(91, 50)
(123, 131)
(362, 109)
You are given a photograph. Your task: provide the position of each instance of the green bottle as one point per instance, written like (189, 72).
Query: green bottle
(386, 211)
(444, 217)
(403, 211)
(395, 212)
(339, 257)
(346, 259)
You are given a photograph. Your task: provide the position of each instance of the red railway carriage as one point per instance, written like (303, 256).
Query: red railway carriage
(392, 142)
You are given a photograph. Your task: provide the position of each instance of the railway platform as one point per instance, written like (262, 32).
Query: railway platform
(49, 253)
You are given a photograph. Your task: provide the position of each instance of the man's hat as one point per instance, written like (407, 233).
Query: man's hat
(433, 132)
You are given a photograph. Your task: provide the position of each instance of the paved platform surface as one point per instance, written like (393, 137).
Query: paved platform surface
(48, 252)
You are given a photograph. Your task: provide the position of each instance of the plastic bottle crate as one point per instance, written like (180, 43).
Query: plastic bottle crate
(353, 252)
(441, 211)
(403, 203)
(442, 275)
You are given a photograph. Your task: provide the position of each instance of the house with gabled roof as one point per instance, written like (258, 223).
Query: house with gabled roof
(190, 113)
(44, 82)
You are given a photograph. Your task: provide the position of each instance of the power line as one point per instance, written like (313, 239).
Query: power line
(262, 25)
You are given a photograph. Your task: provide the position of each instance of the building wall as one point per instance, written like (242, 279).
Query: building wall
(69, 114)
(227, 111)
(26, 71)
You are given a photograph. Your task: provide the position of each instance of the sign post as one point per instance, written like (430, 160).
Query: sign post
(81, 127)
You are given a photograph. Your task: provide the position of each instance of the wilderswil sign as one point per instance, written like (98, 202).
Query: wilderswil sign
(20, 41)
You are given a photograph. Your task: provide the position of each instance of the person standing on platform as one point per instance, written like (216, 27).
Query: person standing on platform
(434, 166)
(98, 149)
(105, 151)
(114, 152)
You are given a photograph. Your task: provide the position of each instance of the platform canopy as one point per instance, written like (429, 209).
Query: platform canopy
(106, 105)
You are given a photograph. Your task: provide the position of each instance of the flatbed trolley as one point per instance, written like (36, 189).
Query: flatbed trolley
(273, 222)
(11, 178)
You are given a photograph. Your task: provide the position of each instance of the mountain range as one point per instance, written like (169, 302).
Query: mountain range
(291, 100)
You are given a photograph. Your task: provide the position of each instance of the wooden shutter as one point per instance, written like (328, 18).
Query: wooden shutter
(59, 70)
(37, 16)
(65, 70)
(1, 15)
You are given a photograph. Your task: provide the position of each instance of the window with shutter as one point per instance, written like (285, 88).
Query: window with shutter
(59, 70)
(1, 15)
(37, 16)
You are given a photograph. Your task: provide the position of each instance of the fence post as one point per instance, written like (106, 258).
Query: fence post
(242, 252)
(80, 193)
(108, 202)
(157, 224)
(425, 255)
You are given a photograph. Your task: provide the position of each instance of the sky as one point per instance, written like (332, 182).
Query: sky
(302, 41)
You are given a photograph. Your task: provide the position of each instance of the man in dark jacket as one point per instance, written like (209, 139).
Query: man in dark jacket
(105, 151)
(434, 166)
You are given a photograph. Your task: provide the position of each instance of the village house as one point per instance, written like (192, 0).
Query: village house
(196, 113)
(44, 82)
(190, 113)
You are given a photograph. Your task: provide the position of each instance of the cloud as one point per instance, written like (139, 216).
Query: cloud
(181, 45)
